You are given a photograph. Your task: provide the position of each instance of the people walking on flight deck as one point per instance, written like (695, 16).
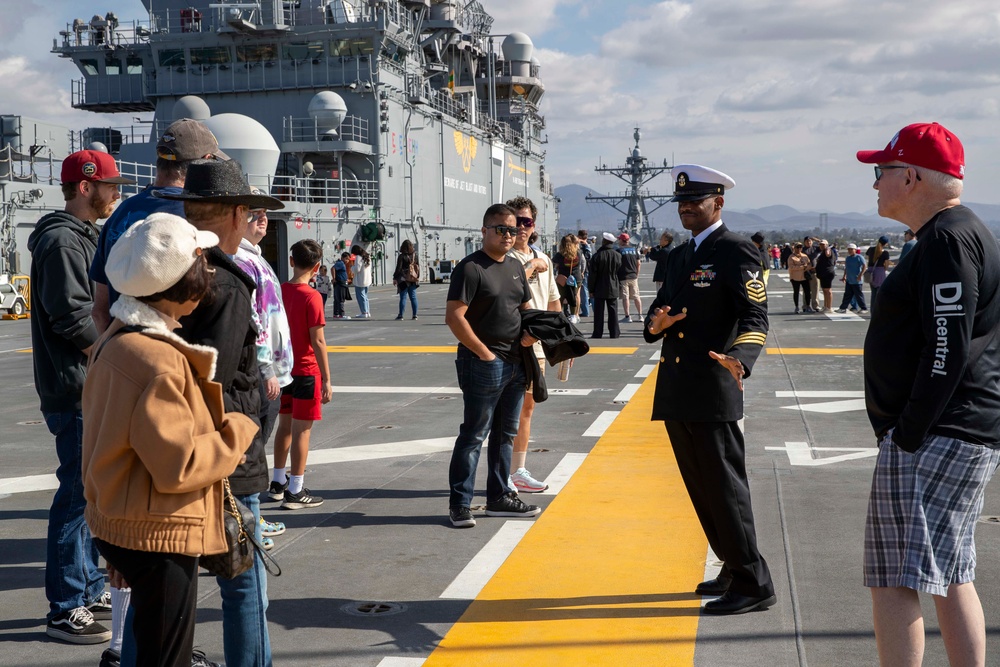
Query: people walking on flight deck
(628, 278)
(825, 266)
(487, 292)
(799, 265)
(658, 254)
(159, 442)
(586, 252)
(933, 401)
(854, 270)
(712, 317)
(362, 270)
(538, 269)
(63, 330)
(324, 285)
(604, 287)
(775, 253)
(786, 252)
(878, 262)
(811, 250)
(569, 274)
(406, 277)
(340, 287)
(909, 240)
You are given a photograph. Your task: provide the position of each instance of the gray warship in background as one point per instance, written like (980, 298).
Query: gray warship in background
(374, 121)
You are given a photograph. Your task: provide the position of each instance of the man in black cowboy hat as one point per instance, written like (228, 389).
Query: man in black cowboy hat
(217, 198)
(712, 316)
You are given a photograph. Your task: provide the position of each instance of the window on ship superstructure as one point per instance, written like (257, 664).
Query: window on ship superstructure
(171, 57)
(133, 65)
(89, 66)
(256, 53)
(112, 67)
(303, 51)
(211, 55)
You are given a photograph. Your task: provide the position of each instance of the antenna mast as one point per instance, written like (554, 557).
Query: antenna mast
(636, 174)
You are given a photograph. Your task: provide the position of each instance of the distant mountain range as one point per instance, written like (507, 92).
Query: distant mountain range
(575, 212)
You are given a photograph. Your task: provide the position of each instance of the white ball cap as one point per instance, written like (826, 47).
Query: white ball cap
(694, 181)
(153, 254)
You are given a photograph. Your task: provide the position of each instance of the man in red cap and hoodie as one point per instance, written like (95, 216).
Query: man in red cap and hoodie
(62, 332)
(933, 399)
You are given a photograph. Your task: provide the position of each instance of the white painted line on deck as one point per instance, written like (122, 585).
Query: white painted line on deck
(830, 407)
(645, 371)
(439, 390)
(28, 484)
(387, 450)
(485, 564)
(601, 424)
(801, 454)
(655, 357)
(626, 394)
(401, 662)
(562, 473)
(844, 317)
(16, 349)
(819, 394)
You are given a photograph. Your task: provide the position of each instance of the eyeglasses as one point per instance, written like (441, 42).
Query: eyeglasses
(525, 222)
(879, 170)
(504, 230)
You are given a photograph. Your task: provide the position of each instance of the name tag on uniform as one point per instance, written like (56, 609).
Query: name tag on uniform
(703, 276)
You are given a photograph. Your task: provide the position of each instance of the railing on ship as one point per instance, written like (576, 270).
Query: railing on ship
(353, 128)
(332, 192)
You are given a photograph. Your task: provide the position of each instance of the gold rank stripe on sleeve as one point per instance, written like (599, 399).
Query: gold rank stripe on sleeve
(751, 338)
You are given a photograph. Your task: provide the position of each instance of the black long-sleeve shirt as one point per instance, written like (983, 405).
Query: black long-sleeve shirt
(932, 352)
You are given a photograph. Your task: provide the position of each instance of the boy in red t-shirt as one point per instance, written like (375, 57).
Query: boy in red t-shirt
(300, 401)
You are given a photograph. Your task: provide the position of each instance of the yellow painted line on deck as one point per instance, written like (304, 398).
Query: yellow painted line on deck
(841, 351)
(605, 575)
(441, 349)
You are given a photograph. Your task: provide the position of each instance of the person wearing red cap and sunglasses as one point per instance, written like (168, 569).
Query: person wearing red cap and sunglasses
(62, 333)
(931, 356)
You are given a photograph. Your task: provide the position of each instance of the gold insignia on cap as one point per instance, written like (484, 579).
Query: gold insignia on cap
(756, 291)
(682, 180)
(89, 169)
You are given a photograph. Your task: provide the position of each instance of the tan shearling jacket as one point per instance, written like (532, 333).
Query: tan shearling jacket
(156, 441)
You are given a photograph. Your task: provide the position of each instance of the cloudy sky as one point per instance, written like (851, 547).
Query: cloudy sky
(777, 93)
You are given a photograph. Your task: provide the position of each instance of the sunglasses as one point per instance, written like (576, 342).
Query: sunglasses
(525, 222)
(879, 170)
(504, 230)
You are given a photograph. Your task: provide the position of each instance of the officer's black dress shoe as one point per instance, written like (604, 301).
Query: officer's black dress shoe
(734, 603)
(716, 586)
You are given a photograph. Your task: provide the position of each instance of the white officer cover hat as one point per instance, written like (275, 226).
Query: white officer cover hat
(693, 182)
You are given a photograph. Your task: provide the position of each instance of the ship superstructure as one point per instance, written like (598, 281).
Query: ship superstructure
(404, 113)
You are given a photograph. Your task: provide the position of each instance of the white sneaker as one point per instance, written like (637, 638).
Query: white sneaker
(636, 318)
(625, 319)
(525, 483)
(574, 319)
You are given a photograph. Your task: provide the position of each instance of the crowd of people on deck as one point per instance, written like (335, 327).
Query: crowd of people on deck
(166, 351)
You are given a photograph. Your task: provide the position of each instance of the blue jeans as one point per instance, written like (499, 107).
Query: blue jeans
(361, 293)
(245, 640)
(584, 299)
(493, 392)
(72, 575)
(411, 289)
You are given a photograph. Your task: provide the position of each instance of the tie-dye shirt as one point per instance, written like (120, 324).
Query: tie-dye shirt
(274, 342)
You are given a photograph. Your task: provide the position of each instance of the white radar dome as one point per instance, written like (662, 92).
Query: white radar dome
(244, 139)
(328, 109)
(97, 146)
(191, 106)
(517, 47)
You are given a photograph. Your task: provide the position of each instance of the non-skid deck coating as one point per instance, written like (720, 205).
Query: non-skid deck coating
(605, 576)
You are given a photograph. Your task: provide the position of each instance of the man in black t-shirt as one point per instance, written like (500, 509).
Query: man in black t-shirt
(933, 397)
(485, 298)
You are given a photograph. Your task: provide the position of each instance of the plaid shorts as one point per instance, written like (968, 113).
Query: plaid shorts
(922, 514)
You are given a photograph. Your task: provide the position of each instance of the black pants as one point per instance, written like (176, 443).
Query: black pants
(339, 297)
(612, 307)
(853, 293)
(164, 599)
(268, 412)
(712, 461)
(804, 285)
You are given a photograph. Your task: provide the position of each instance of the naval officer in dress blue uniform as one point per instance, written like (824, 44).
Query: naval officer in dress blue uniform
(712, 316)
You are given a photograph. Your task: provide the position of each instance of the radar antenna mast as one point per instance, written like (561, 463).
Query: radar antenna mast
(636, 174)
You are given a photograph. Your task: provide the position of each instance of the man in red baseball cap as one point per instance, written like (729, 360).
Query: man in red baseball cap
(62, 333)
(929, 355)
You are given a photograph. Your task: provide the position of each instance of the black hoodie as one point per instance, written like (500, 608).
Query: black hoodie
(62, 248)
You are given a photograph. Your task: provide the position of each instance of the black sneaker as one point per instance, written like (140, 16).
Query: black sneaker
(276, 491)
(510, 505)
(461, 517)
(77, 626)
(100, 608)
(300, 501)
(111, 658)
(199, 659)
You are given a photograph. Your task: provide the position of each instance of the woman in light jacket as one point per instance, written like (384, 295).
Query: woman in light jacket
(158, 443)
(799, 265)
(362, 279)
